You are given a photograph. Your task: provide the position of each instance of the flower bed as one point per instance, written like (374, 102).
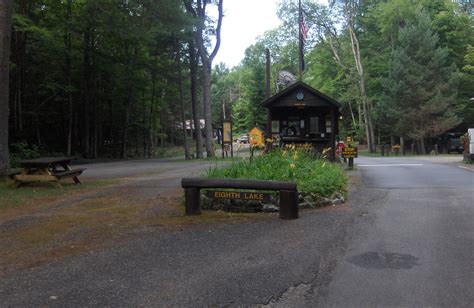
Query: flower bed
(319, 182)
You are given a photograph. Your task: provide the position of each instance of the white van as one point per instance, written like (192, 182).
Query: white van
(470, 131)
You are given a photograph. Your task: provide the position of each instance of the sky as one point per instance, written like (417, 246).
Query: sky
(244, 21)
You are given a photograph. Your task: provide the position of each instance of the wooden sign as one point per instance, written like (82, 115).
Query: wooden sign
(239, 195)
(349, 138)
(349, 152)
(227, 132)
(256, 137)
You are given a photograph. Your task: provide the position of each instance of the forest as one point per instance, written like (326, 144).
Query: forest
(130, 78)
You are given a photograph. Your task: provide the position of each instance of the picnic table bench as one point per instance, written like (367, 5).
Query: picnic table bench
(46, 169)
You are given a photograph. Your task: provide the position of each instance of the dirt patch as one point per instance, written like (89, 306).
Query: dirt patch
(48, 228)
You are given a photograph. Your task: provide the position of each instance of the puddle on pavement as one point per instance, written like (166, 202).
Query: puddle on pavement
(384, 260)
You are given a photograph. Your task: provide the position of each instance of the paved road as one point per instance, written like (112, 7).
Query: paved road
(419, 249)
(404, 239)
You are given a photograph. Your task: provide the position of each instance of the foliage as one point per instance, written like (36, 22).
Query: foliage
(421, 86)
(19, 151)
(113, 84)
(105, 78)
(312, 175)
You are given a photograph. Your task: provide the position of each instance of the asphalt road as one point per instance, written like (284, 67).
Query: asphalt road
(405, 238)
(419, 249)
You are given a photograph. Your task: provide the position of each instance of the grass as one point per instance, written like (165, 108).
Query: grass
(315, 176)
(15, 197)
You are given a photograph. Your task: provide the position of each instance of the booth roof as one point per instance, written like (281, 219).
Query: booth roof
(299, 85)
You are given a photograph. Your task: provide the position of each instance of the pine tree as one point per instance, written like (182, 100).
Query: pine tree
(421, 87)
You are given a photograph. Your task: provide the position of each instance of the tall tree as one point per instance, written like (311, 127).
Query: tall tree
(202, 39)
(421, 87)
(351, 11)
(5, 31)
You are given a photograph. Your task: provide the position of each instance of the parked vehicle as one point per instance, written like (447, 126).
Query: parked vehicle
(244, 138)
(452, 143)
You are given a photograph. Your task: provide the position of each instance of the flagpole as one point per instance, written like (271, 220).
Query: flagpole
(300, 41)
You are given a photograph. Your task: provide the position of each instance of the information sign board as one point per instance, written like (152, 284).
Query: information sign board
(227, 132)
(349, 152)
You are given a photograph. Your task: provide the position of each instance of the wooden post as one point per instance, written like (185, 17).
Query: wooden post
(192, 198)
(288, 204)
(333, 135)
(351, 163)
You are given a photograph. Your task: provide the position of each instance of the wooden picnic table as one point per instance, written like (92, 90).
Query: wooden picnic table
(47, 169)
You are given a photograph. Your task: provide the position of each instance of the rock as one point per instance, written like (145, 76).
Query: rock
(300, 197)
(337, 201)
(325, 201)
(269, 208)
(306, 205)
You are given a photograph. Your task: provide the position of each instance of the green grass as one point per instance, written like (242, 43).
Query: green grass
(15, 197)
(312, 175)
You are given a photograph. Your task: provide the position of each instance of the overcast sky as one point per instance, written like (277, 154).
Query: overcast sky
(243, 21)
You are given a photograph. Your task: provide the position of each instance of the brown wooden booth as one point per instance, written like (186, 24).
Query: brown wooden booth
(300, 114)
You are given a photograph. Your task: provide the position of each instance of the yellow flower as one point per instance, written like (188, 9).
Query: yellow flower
(295, 157)
(292, 166)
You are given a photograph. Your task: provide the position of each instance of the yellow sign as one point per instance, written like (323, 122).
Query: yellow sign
(349, 138)
(227, 132)
(256, 137)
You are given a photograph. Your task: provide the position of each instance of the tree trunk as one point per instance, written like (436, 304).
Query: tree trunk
(183, 118)
(128, 103)
(422, 146)
(5, 32)
(85, 131)
(402, 144)
(207, 108)
(365, 104)
(207, 65)
(69, 80)
(194, 103)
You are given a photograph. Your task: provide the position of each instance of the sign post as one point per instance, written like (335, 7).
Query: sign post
(227, 138)
(350, 153)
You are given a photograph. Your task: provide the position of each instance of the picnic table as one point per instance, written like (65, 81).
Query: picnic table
(46, 169)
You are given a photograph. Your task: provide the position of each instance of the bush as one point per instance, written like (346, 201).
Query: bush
(19, 151)
(312, 175)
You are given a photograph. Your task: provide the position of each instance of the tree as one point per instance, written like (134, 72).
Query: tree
(203, 30)
(421, 87)
(5, 31)
(207, 59)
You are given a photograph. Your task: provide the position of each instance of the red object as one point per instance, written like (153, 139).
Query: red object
(339, 148)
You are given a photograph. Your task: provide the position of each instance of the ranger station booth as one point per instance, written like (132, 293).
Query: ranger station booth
(300, 114)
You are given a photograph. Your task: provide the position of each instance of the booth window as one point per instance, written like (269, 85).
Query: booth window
(314, 125)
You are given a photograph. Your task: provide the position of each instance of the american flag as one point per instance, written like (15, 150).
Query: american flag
(303, 30)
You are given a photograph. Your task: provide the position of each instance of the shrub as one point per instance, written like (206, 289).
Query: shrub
(312, 175)
(19, 151)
